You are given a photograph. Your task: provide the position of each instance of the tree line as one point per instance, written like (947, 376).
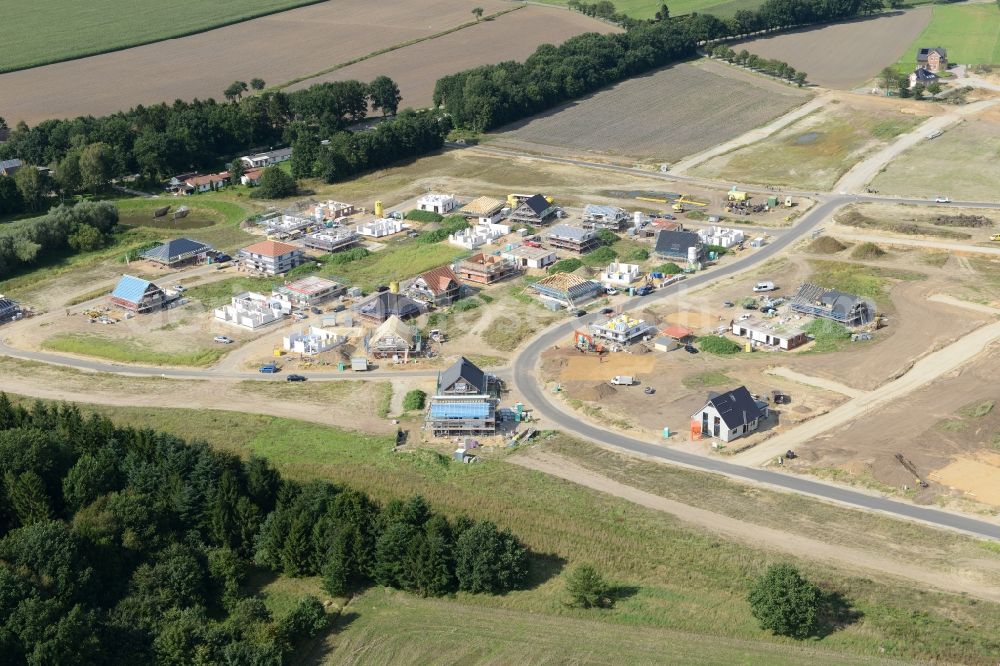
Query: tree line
(126, 546)
(778, 68)
(163, 139)
(84, 227)
(487, 97)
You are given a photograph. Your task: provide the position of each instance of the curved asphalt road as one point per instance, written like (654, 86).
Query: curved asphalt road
(535, 395)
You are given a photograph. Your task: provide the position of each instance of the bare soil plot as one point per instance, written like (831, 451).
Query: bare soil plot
(948, 223)
(817, 150)
(662, 116)
(844, 55)
(513, 36)
(275, 48)
(967, 153)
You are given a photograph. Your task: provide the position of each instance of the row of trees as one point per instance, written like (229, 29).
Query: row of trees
(132, 546)
(776, 68)
(164, 139)
(486, 97)
(86, 226)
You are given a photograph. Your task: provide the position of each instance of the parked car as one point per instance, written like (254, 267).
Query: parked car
(295, 378)
(222, 339)
(223, 257)
(644, 290)
(179, 288)
(315, 310)
(269, 368)
(942, 200)
(764, 286)
(649, 390)
(728, 304)
(579, 313)
(607, 311)
(690, 349)
(610, 291)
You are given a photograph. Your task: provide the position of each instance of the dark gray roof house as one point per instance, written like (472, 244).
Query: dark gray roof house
(176, 251)
(384, 305)
(848, 309)
(463, 377)
(465, 401)
(675, 244)
(534, 210)
(729, 415)
(9, 167)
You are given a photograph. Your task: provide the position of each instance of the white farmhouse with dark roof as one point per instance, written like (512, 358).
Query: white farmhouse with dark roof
(729, 416)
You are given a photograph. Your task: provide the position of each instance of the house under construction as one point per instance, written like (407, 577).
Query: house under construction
(465, 402)
(847, 309)
(394, 339)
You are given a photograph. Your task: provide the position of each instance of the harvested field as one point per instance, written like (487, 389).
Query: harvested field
(872, 42)
(699, 322)
(816, 150)
(285, 46)
(941, 222)
(967, 153)
(33, 35)
(513, 36)
(665, 115)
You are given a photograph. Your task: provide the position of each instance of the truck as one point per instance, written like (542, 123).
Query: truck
(622, 380)
(764, 286)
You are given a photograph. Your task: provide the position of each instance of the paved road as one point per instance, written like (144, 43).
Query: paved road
(552, 416)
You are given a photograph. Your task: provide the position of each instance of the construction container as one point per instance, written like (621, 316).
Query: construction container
(394, 287)
(378, 209)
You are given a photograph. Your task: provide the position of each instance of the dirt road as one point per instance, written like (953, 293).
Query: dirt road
(756, 535)
(923, 372)
(753, 136)
(864, 171)
(950, 246)
(819, 382)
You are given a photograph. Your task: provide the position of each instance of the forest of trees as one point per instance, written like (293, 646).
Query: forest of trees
(86, 226)
(163, 139)
(487, 97)
(125, 546)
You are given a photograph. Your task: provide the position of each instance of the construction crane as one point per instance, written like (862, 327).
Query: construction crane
(911, 469)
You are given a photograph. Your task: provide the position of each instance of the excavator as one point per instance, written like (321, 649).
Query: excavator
(911, 469)
(995, 237)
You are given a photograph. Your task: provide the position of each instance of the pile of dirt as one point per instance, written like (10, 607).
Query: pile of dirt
(962, 220)
(826, 245)
(853, 218)
(868, 251)
(596, 392)
(640, 349)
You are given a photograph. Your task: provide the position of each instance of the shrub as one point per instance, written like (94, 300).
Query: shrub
(424, 216)
(669, 268)
(586, 587)
(607, 237)
(718, 345)
(565, 265)
(717, 249)
(347, 256)
(275, 183)
(784, 602)
(640, 254)
(414, 400)
(602, 255)
(465, 305)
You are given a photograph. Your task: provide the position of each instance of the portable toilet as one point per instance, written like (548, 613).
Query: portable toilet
(788, 202)
(394, 287)
(666, 433)
(772, 202)
(378, 209)
(511, 201)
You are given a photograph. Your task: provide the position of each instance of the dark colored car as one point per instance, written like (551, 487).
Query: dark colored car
(295, 378)
(579, 313)
(607, 311)
(316, 310)
(223, 257)
(690, 349)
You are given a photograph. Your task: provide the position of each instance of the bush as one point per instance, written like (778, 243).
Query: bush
(489, 560)
(424, 216)
(718, 345)
(602, 255)
(465, 305)
(565, 266)
(784, 602)
(347, 256)
(607, 237)
(275, 183)
(449, 225)
(586, 588)
(717, 249)
(414, 400)
(640, 254)
(669, 268)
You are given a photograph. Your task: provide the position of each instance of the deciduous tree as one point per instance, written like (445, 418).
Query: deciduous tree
(784, 602)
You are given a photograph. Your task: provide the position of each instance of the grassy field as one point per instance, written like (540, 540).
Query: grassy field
(671, 578)
(970, 32)
(967, 153)
(129, 351)
(47, 31)
(863, 280)
(813, 152)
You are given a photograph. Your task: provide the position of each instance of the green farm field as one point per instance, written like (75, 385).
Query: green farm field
(45, 31)
(677, 585)
(970, 32)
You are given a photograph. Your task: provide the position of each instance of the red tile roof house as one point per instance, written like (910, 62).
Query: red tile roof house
(438, 286)
(213, 181)
(251, 177)
(271, 257)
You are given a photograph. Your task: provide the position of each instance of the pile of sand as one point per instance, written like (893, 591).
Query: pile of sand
(596, 392)
(826, 245)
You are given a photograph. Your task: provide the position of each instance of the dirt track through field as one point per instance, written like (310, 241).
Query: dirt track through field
(844, 55)
(755, 535)
(276, 48)
(513, 36)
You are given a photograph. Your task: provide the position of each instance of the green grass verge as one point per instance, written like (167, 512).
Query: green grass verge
(716, 344)
(866, 281)
(970, 32)
(707, 379)
(829, 335)
(45, 31)
(128, 350)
